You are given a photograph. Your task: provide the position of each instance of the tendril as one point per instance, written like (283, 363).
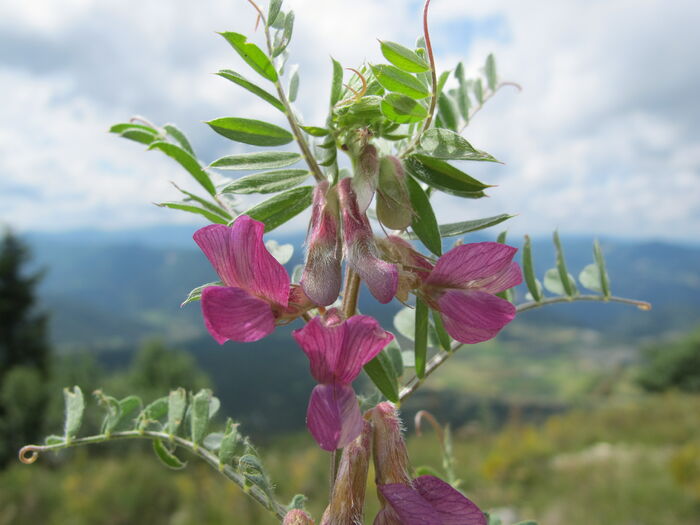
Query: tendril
(29, 454)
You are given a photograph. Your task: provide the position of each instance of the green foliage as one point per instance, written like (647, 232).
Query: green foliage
(673, 365)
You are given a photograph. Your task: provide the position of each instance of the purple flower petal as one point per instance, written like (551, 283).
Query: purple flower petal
(507, 278)
(411, 507)
(472, 316)
(214, 241)
(333, 416)
(452, 507)
(364, 339)
(322, 343)
(233, 314)
(468, 264)
(262, 274)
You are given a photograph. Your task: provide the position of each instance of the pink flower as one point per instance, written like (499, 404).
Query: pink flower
(321, 278)
(337, 351)
(462, 287)
(381, 277)
(256, 294)
(430, 501)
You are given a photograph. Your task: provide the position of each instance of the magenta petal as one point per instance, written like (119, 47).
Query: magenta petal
(233, 314)
(469, 263)
(472, 316)
(322, 343)
(452, 507)
(215, 241)
(411, 507)
(257, 270)
(507, 278)
(333, 416)
(364, 339)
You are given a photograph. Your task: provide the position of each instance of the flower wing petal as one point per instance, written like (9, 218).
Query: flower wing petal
(411, 507)
(233, 314)
(471, 262)
(256, 269)
(364, 339)
(472, 316)
(452, 507)
(322, 344)
(333, 416)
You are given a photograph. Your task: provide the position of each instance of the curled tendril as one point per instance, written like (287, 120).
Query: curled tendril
(424, 414)
(357, 95)
(29, 454)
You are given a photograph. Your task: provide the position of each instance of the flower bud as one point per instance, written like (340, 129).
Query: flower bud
(365, 180)
(348, 499)
(380, 276)
(414, 267)
(390, 455)
(393, 204)
(321, 279)
(297, 517)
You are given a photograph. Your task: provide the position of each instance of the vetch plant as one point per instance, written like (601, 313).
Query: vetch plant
(398, 126)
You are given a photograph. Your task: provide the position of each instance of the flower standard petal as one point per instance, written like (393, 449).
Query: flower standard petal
(473, 316)
(452, 507)
(322, 344)
(507, 278)
(233, 314)
(215, 241)
(410, 506)
(363, 339)
(257, 270)
(468, 264)
(333, 416)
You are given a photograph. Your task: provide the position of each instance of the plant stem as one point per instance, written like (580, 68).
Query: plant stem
(441, 357)
(351, 292)
(30, 453)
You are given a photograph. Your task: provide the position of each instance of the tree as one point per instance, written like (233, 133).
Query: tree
(672, 366)
(24, 350)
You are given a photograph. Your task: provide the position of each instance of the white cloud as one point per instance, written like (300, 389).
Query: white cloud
(603, 139)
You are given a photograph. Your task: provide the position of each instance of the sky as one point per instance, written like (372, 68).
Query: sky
(603, 139)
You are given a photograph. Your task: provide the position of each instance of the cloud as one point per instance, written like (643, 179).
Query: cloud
(603, 139)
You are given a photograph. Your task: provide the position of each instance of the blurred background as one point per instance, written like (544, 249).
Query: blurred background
(582, 413)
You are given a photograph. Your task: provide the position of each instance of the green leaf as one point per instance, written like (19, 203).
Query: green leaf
(153, 412)
(337, 82)
(252, 54)
(218, 210)
(590, 278)
(75, 406)
(282, 252)
(54, 440)
(315, 131)
(600, 262)
(509, 294)
(180, 137)
(458, 228)
(267, 182)
(382, 373)
(229, 443)
(137, 135)
(393, 79)
(213, 441)
(279, 209)
(402, 109)
(187, 161)
(199, 415)
(286, 35)
(293, 90)
(273, 11)
(442, 336)
(490, 70)
(196, 293)
(405, 322)
(168, 459)
(421, 338)
(446, 113)
(182, 206)
(553, 282)
(442, 80)
(247, 84)
(114, 412)
(394, 352)
(444, 177)
(129, 405)
(403, 58)
(446, 144)
(127, 126)
(177, 403)
(424, 224)
(249, 131)
(567, 281)
(529, 271)
(257, 161)
(478, 88)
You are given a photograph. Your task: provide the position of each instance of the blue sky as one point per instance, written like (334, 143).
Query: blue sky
(604, 139)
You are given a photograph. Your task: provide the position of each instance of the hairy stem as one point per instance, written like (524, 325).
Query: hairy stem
(351, 292)
(30, 453)
(438, 359)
